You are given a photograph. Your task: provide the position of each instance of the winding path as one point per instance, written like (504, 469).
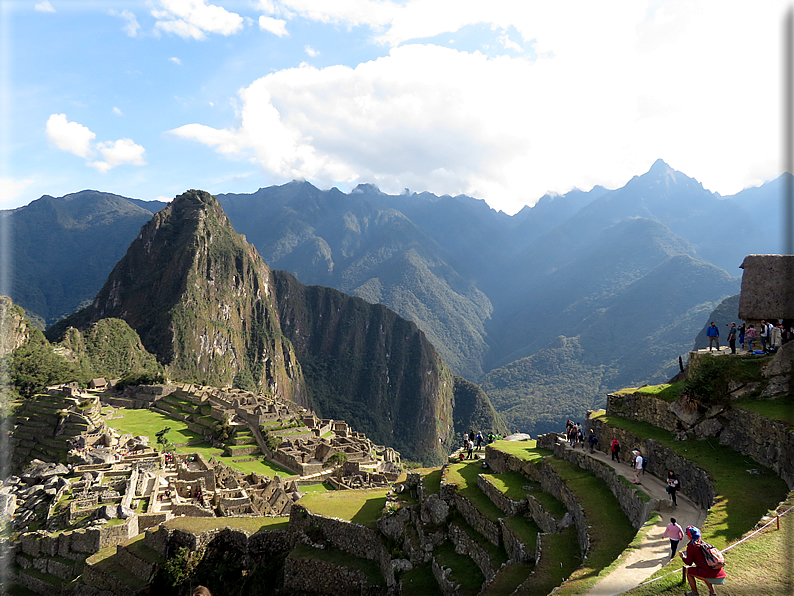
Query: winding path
(653, 552)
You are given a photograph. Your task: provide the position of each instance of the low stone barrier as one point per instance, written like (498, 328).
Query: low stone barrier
(517, 551)
(506, 504)
(545, 520)
(637, 510)
(464, 545)
(644, 407)
(490, 530)
(500, 462)
(313, 576)
(695, 482)
(552, 483)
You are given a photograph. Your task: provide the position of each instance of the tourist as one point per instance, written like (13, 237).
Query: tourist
(593, 440)
(732, 332)
(675, 533)
(701, 570)
(750, 337)
(479, 440)
(713, 333)
(200, 591)
(776, 336)
(764, 334)
(673, 486)
(742, 330)
(470, 449)
(615, 450)
(637, 463)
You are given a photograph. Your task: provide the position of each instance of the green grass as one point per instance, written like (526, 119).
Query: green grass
(780, 408)
(420, 581)
(526, 450)
(464, 475)
(641, 494)
(666, 391)
(508, 579)
(742, 498)
(525, 529)
(432, 480)
(550, 503)
(249, 524)
(558, 560)
(314, 487)
(260, 466)
(511, 484)
(147, 423)
(342, 559)
(609, 528)
(497, 554)
(464, 571)
(360, 506)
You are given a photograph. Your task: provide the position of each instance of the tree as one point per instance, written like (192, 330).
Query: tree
(161, 437)
(35, 366)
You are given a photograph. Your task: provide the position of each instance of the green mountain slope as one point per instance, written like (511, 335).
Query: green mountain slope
(63, 248)
(201, 300)
(365, 364)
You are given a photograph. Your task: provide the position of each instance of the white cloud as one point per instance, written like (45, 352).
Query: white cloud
(116, 153)
(310, 51)
(131, 26)
(597, 106)
(117, 111)
(194, 18)
(69, 136)
(11, 188)
(175, 60)
(44, 6)
(510, 44)
(274, 26)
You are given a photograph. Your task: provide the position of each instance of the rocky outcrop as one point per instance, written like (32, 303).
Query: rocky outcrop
(14, 329)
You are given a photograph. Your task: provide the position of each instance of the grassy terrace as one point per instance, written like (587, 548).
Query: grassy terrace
(559, 559)
(147, 423)
(780, 409)
(737, 508)
(497, 554)
(610, 529)
(360, 506)
(420, 581)
(464, 571)
(465, 476)
(342, 559)
(249, 524)
(526, 450)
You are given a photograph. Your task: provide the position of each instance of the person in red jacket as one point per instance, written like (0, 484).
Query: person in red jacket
(701, 570)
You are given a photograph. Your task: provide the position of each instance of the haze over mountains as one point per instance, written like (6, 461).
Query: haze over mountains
(548, 309)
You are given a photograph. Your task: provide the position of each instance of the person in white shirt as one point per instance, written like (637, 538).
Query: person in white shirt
(637, 466)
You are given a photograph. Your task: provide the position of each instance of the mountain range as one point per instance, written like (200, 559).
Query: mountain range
(547, 309)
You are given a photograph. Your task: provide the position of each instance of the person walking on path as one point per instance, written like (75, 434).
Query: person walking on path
(637, 462)
(701, 570)
(732, 332)
(614, 449)
(593, 440)
(713, 333)
(673, 485)
(675, 533)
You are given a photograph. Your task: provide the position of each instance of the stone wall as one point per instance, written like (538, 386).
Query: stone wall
(644, 407)
(313, 576)
(464, 545)
(552, 483)
(695, 482)
(500, 462)
(490, 530)
(508, 506)
(516, 550)
(77, 543)
(637, 510)
(353, 538)
(766, 441)
(545, 520)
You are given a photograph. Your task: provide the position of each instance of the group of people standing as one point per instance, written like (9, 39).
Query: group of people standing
(472, 442)
(768, 336)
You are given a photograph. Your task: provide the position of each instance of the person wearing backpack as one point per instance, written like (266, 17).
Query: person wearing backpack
(709, 564)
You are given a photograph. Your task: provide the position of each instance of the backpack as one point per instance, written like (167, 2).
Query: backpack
(644, 462)
(714, 558)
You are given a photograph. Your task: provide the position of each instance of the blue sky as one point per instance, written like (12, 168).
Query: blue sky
(502, 100)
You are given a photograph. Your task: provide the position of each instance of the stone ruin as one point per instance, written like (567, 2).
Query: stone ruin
(767, 288)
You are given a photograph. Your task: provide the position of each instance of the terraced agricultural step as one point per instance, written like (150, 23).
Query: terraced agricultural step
(109, 575)
(39, 582)
(507, 579)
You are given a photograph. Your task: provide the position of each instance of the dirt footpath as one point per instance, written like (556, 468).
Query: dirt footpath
(654, 551)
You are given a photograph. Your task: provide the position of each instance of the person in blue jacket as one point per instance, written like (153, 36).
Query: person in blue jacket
(713, 334)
